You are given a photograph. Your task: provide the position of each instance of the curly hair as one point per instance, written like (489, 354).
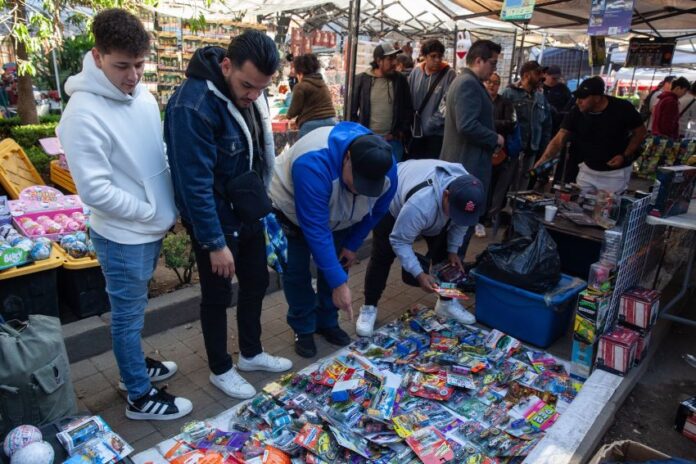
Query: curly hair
(116, 29)
(306, 64)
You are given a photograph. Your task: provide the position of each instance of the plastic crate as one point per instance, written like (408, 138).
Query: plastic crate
(523, 314)
(31, 289)
(82, 288)
(62, 177)
(16, 170)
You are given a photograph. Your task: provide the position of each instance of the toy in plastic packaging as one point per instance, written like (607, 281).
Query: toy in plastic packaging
(91, 440)
(316, 440)
(431, 386)
(406, 424)
(430, 446)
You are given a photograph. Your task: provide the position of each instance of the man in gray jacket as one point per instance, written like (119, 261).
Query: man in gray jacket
(429, 82)
(435, 199)
(470, 136)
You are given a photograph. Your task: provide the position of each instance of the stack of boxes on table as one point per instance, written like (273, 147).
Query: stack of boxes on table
(597, 340)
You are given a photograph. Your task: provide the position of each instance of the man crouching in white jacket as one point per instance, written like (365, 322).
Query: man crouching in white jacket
(112, 137)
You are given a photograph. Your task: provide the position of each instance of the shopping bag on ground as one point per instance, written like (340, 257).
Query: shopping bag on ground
(529, 260)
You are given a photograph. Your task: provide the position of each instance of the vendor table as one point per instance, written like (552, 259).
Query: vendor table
(685, 221)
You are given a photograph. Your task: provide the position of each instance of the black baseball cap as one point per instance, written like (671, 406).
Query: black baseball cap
(592, 86)
(553, 70)
(371, 158)
(385, 49)
(467, 199)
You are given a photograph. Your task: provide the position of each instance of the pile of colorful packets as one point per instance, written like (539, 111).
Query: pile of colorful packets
(421, 389)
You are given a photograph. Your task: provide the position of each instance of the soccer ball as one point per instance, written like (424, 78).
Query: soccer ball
(38, 452)
(19, 437)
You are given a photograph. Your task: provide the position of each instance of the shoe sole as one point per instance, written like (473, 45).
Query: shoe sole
(360, 333)
(146, 416)
(232, 395)
(264, 369)
(122, 386)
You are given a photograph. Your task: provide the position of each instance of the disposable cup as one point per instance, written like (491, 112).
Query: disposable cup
(550, 213)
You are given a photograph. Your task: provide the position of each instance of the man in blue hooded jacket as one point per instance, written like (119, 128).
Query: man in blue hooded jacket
(329, 190)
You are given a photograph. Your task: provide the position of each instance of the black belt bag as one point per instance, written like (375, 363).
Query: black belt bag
(247, 196)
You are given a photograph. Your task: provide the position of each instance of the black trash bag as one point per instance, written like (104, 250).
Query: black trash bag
(529, 260)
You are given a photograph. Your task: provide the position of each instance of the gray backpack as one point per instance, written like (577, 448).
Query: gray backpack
(35, 385)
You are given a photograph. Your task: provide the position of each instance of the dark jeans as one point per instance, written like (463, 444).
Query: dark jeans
(427, 147)
(382, 256)
(500, 184)
(308, 311)
(525, 163)
(249, 251)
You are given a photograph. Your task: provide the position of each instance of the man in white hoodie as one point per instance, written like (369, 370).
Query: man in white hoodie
(434, 199)
(112, 137)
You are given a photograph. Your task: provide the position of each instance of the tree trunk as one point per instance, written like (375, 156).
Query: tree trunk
(26, 106)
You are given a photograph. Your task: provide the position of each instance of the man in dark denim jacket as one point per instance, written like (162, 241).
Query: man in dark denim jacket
(217, 128)
(534, 117)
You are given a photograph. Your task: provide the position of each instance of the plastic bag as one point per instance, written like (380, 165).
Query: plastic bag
(529, 260)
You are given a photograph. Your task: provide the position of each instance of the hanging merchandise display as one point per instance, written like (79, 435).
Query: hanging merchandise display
(610, 17)
(517, 10)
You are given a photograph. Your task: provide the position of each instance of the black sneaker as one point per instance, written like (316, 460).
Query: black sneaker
(158, 405)
(304, 345)
(157, 370)
(335, 336)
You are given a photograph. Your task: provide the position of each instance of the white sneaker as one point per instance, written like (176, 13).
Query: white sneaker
(156, 370)
(232, 384)
(453, 309)
(264, 362)
(366, 321)
(480, 231)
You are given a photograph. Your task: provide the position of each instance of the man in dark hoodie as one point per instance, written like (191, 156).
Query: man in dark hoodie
(217, 128)
(381, 99)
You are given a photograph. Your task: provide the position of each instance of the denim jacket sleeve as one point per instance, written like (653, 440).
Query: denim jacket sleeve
(192, 153)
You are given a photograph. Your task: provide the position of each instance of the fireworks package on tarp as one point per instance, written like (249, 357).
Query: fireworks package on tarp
(685, 422)
(529, 260)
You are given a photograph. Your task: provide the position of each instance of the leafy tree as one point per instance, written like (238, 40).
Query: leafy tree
(40, 32)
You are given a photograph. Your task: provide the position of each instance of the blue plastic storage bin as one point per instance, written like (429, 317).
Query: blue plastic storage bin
(523, 314)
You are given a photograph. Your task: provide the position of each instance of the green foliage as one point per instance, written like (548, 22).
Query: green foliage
(69, 57)
(40, 160)
(29, 135)
(7, 124)
(178, 255)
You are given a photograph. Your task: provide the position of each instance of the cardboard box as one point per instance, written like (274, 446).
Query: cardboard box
(639, 307)
(626, 451)
(644, 336)
(675, 186)
(616, 352)
(582, 358)
(685, 421)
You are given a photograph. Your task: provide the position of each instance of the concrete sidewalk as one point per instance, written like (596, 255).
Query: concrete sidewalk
(95, 378)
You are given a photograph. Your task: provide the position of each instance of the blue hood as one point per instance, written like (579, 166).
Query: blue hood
(340, 138)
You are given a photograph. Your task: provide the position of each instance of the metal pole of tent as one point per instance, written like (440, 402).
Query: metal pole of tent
(456, 33)
(55, 72)
(520, 56)
(543, 47)
(579, 67)
(512, 57)
(633, 80)
(353, 26)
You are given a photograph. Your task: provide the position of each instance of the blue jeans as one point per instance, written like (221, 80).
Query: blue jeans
(309, 126)
(308, 311)
(397, 149)
(127, 270)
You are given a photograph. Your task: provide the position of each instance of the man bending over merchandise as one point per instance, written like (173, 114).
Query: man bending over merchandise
(329, 191)
(437, 200)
